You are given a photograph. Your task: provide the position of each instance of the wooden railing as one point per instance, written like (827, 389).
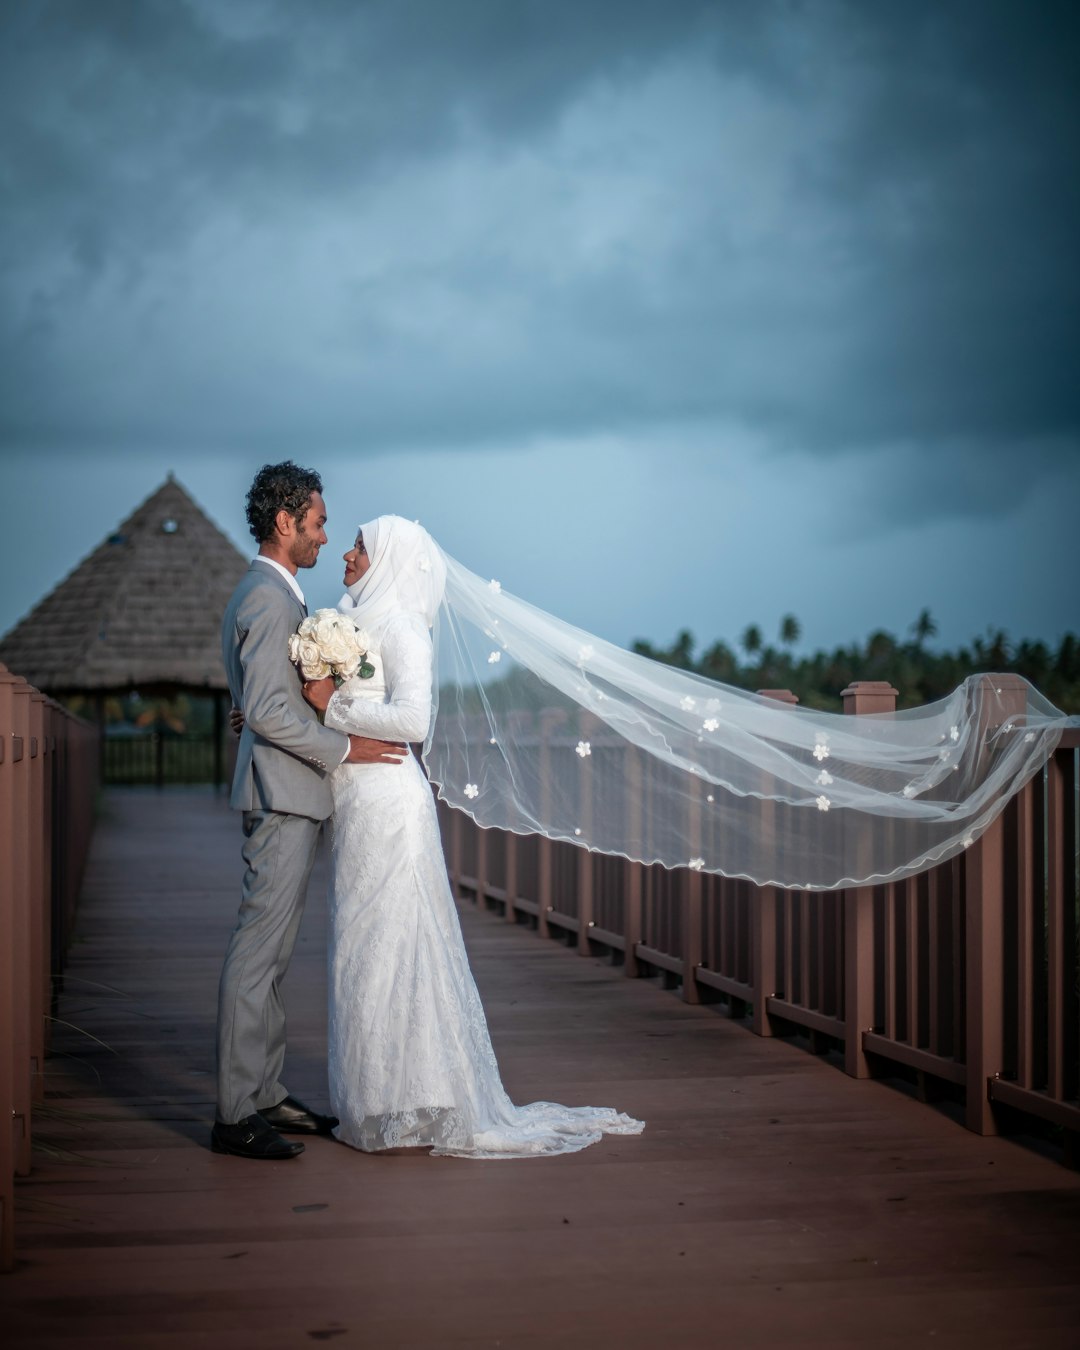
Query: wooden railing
(967, 975)
(48, 776)
(160, 759)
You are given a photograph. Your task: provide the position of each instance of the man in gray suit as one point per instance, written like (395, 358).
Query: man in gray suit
(281, 785)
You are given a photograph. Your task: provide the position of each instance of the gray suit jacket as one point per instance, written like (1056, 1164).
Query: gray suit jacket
(286, 754)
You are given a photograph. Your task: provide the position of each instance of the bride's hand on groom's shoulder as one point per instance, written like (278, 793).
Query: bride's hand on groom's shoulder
(362, 750)
(319, 692)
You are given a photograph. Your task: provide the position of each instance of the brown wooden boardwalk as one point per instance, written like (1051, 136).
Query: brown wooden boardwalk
(771, 1202)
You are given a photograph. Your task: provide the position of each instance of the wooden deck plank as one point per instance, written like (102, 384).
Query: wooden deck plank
(772, 1200)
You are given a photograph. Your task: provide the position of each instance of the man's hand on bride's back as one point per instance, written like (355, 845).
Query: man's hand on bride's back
(365, 751)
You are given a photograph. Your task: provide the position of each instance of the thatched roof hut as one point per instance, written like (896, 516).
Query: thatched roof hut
(142, 612)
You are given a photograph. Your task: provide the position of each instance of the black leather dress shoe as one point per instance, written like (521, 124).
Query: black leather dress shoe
(252, 1137)
(293, 1117)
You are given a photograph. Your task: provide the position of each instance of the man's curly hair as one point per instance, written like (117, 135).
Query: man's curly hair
(279, 487)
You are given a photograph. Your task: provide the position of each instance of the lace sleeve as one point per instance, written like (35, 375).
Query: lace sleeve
(406, 658)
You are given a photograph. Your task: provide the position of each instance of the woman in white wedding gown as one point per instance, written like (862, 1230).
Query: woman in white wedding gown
(410, 1057)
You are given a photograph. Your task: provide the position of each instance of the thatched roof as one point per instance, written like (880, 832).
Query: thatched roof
(143, 610)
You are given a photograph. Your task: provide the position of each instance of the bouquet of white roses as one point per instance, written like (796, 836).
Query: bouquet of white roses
(327, 643)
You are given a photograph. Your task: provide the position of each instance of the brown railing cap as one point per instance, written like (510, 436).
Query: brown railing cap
(779, 695)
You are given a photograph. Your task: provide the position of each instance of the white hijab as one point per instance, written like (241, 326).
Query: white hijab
(407, 575)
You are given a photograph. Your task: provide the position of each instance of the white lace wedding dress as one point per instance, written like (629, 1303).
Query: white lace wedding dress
(410, 1058)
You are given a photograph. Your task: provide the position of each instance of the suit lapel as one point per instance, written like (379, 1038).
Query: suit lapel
(275, 575)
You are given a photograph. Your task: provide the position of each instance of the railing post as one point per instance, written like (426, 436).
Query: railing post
(47, 780)
(1060, 901)
(588, 725)
(763, 969)
(860, 697)
(984, 912)
(632, 911)
(549, 720)
(7, 969)
(691, 893)
(456, 822)
(544, 869)
(763, 916)
(869, 696)
(24, 976)
(39, 893)
(510, 883)
(632, 874)
(480, 837)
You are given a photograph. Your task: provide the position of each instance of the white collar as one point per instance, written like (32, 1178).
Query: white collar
(293, 583)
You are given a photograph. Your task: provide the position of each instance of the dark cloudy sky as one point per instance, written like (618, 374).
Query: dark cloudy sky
(669, 313)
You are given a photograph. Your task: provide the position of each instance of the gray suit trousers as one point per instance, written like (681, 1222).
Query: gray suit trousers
(279, 851)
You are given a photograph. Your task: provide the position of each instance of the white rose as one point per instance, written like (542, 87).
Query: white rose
(312, 664)
(349, 666)
(336, 636)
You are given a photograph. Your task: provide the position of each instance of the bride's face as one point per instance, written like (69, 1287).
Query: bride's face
(357, 561)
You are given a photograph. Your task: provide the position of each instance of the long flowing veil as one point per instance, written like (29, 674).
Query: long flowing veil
(540, 727)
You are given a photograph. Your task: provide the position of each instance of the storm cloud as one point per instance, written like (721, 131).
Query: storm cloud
(834, 226)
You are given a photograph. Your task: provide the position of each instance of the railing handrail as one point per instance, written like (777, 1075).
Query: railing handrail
(48, 776)
(947, 973)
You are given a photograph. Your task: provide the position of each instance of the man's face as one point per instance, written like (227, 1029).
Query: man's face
(310, 534)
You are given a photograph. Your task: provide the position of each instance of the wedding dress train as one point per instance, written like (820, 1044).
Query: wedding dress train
(410, 1058)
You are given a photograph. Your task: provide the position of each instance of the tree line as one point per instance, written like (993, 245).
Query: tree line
(919, 674)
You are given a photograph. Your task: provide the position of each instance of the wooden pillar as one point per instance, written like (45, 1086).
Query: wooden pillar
(510, 882)
(549, 721)
(455, 824)
(860, 697)
(858, 909)
(1060, 931)
(588, 725)
(765, 902)
(7, 967)
(1004, 701)
(984, 913)
(869, 696)
(39, 869)
(480, 838)
(763, 956)
(544, 870)
(19, 1120)
(691, 889)
(632, 871)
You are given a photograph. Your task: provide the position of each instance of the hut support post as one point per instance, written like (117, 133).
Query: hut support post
(219, 738)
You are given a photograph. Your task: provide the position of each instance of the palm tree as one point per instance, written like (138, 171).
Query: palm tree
(790, 630)
(1000, 652)
(924, 627)
(751, 640)
(719, 663)
(681, 652)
